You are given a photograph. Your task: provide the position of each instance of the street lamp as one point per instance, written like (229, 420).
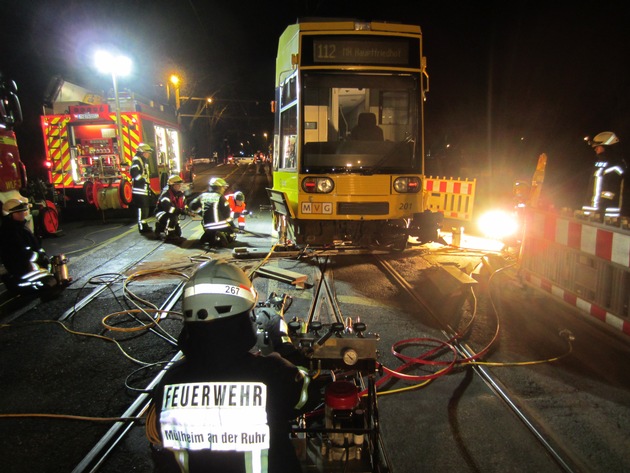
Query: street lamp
(175, 80)
(116, 66)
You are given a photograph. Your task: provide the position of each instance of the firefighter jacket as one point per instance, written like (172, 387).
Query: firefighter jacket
(238, 211)
(139, 171)
(215, 211)
(22, 254)
(606, 186)
(170, 203)
(224, 409)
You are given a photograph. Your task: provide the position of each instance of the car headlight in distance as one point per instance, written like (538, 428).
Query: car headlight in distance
(498, 224)
(318, 185)
(407, 184)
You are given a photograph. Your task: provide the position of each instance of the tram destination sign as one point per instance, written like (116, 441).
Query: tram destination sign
(361, 51)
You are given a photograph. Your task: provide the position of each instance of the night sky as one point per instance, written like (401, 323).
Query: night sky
(508, 80)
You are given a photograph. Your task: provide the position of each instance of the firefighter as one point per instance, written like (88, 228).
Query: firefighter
(170, 205)
(142, 194)
(607, 181)
(27, 264)
(248, 428)
(237, 206)
(215, 212)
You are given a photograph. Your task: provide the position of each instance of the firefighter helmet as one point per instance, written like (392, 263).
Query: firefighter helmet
(14, 205)
(218, 182)
(217, 290)
(238, 195)
(605, 138)
(144, 148)
(174, 180)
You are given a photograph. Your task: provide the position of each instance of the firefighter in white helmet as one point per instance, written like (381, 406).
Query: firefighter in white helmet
(606, 185)
(238, 403)
(218, 224)
(27, 264)
(170, 206)
(141, 190)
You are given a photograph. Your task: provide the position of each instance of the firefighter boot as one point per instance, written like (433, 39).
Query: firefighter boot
(144, 227)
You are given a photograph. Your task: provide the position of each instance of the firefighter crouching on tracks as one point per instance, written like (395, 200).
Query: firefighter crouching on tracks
(215, 211)
(141, 190)
(237, 206)
(170, 205)
(27, 264)
(223, 408)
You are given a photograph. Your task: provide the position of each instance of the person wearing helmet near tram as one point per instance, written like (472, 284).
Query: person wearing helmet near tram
(224, 408)
(218, 225)
(237, 207)
(27, 264)
(606, 184)
(170, 205)
(141, 190)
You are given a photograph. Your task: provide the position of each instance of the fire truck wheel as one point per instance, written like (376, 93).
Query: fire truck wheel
(125, 192)
(49, 219)
(88, 191)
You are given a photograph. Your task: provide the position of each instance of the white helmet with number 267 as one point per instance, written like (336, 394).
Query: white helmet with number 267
(217, 290)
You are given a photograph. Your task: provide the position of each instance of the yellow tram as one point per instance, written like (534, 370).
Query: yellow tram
(348, 142)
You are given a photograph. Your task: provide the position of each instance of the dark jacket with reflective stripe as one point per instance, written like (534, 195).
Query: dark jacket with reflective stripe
(139, 171)
(215, 211)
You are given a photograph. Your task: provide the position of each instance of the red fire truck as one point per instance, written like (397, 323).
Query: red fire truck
(12, 170)
(83, 153)
(13, 178)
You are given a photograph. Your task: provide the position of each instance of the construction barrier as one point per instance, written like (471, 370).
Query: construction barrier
(453, 197)
(583, 263)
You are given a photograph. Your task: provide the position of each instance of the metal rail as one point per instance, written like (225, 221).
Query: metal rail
(104, 447)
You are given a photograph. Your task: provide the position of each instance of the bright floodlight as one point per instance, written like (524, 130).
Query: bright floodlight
(115, 65)
(498, 224)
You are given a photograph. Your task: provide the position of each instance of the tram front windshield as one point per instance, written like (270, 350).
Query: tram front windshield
(365, 123)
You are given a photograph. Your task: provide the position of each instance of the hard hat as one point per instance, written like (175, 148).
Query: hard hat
(143, 148)
(14, 205)
(238, 195)
(605, 138)
(174, 180)
(217, 290)
(218, 182)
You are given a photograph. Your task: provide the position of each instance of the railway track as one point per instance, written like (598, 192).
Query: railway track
(494, 384)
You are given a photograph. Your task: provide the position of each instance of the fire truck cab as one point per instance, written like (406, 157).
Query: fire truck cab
(86, 162)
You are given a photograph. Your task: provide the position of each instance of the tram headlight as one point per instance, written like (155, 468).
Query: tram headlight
(318, 185)
(407, 184)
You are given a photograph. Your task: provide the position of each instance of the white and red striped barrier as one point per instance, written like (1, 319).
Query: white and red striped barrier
(453, 197)
(583, 305)
(610, 244)
(582, 263)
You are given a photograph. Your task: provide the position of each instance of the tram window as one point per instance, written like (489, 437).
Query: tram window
(289, 91)
(288, 124)
(395, 108)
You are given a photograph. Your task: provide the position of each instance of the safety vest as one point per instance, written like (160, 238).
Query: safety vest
(237, 211)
